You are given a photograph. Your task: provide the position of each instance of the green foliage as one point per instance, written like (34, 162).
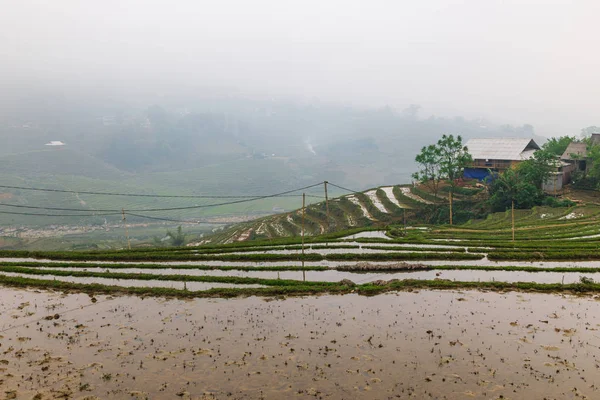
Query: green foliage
(557, 146)
(454, 157)
(556, 255)
(522, 184)
(512, 185)
(298, 289)
(586, 281)
(554, 202)
(593, 156)
(437, 214)
(465, 191)
(430, 168)
(537, 170)
(445, 160)
(177, 238)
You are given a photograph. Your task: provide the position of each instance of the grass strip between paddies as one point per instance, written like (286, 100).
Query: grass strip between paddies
(564, 255)
(364, 269)
(300, 290)
(516, 268)
(156, 277)
(125, 256)
(91, 265)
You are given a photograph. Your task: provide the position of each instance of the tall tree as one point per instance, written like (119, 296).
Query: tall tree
(521, 186)
(429, 174)
(538, 169)
(513, 188)
(445, 160)
(454, 157)
(177, 238)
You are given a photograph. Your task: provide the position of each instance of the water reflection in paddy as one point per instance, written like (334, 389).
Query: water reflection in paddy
(425, 344)
(336, 276)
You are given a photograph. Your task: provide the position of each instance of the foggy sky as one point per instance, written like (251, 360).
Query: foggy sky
(516, 61)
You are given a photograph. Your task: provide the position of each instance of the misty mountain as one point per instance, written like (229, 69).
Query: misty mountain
(224, 147)
(308, 137)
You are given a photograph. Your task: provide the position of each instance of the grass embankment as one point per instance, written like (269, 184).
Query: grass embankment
(156, 277)
(249, 257)
(420, 256)
(346, 268)
(416, 248)
(163, 266)
(423, 267)
(137, 256)
(301, 288)
(564, 255)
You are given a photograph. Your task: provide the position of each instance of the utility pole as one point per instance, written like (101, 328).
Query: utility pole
(126, 231)
(450, 201)
(513, 220)
(327, 207)
(303, 211)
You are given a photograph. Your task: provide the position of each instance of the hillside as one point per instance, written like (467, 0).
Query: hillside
(229, 147)
(377, 207)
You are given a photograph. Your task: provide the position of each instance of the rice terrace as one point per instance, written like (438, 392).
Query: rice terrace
(403, 312)
(298, 200)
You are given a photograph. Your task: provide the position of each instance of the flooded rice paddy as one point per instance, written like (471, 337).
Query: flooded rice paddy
(422, 344)
(326, 263)
(329, 276)
(193, 286)
(368, 234)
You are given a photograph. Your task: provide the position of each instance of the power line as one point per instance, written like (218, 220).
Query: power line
(343, 188)
(166, 209)
(177, 220)
(142, 195)
(57, 215)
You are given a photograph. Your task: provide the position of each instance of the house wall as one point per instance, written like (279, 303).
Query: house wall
(493, 164)
(567, 172)
(553, 184)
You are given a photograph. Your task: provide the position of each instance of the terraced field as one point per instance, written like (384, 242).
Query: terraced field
(73, 328)
(372, 208)
(552, 246)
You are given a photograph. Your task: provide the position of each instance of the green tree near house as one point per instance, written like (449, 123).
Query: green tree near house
(444, 161)
(521, 186)
(523, 183)
(557, 146)
(429, 173)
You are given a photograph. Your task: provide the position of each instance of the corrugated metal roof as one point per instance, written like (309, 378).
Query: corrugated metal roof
(514, 149)
(574, 148)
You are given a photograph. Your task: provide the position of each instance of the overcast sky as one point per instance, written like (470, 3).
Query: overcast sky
(521, 61)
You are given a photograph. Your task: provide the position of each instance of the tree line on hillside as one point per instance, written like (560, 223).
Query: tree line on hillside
(517, 187)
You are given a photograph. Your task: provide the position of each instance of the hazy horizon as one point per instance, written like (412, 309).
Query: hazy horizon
(509, 61)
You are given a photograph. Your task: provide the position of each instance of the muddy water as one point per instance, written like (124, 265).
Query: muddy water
(336, 276)
(484, 261)
(135, 283)
(427, 344)
(368, 234)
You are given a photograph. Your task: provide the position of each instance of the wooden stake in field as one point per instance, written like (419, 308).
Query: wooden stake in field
(303, 211)
(513, 220)
(126, 231)
(327, 207)
(450, 202)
